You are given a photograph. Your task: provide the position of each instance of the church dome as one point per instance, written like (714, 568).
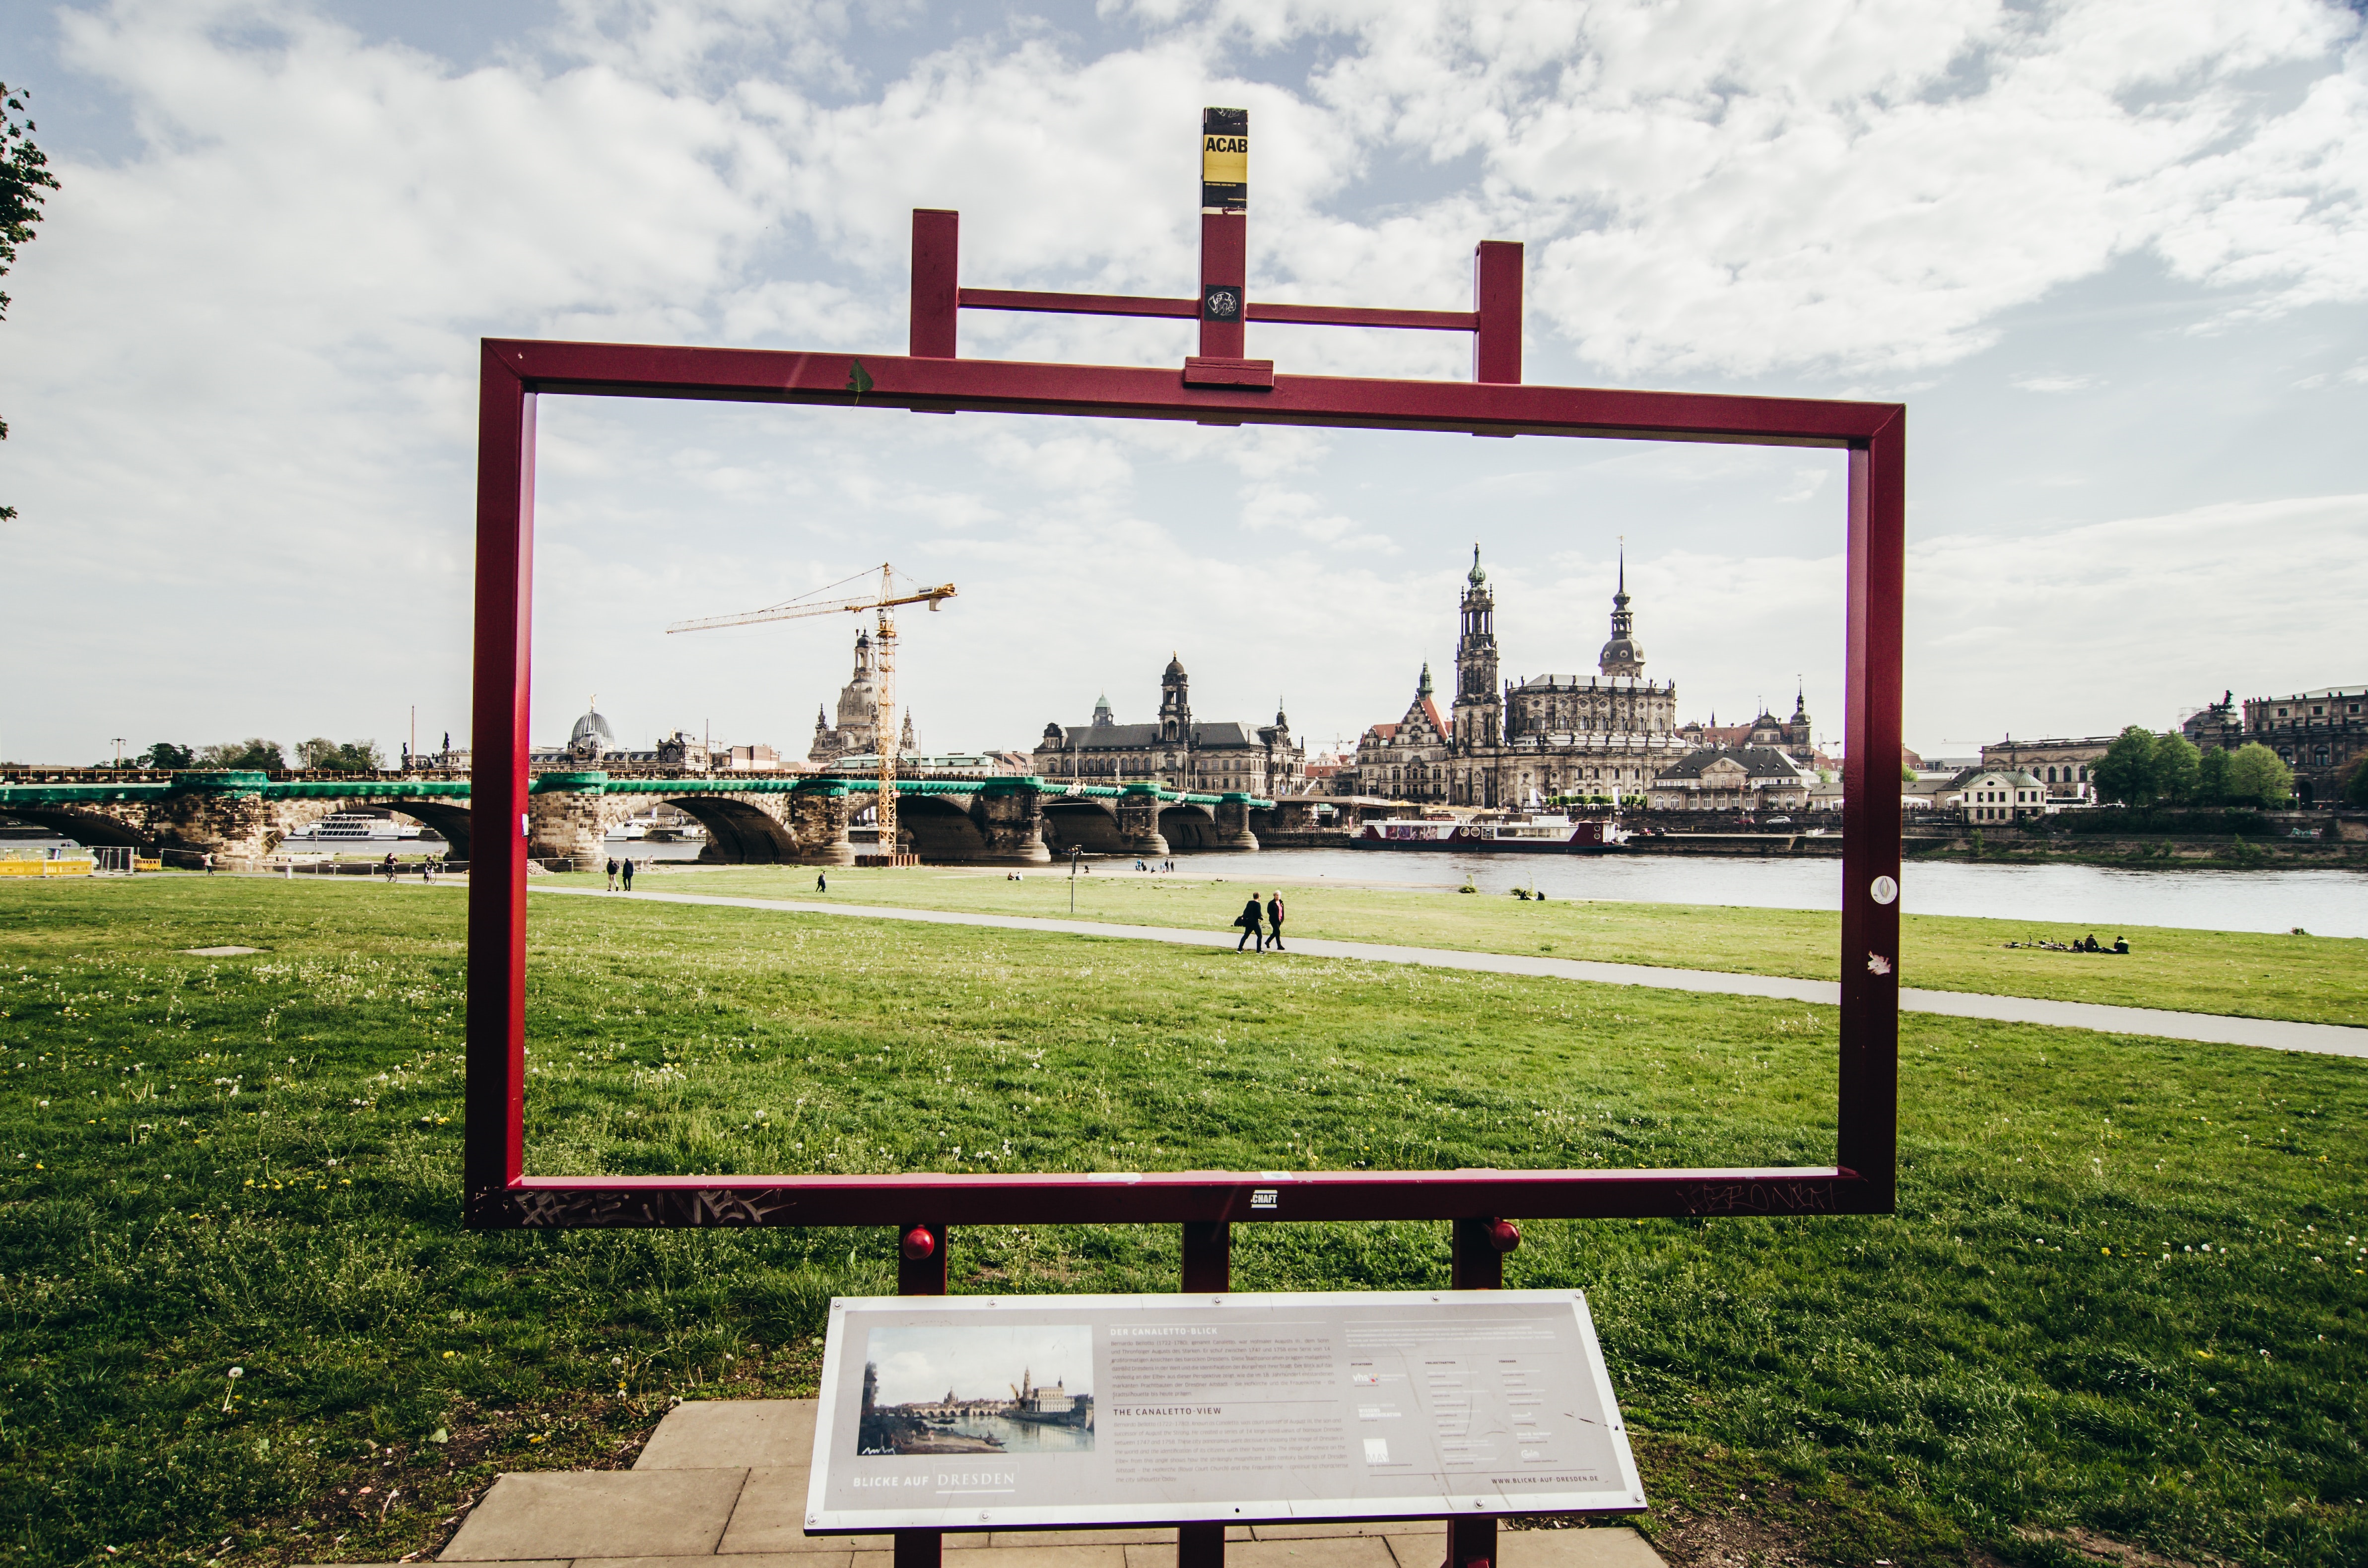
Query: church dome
(590, 727)
(1475, 577)
(1175, 666)
(1621, 650)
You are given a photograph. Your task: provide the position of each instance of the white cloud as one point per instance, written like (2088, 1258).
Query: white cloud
(242, 357)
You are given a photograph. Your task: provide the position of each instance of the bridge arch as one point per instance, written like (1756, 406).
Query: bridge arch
(1188, 826)
(1083, 823)
(739, 833)
(93, 827)
(940, 827)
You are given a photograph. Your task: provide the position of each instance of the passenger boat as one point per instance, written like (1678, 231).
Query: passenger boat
(347, 826)
(1529, 835)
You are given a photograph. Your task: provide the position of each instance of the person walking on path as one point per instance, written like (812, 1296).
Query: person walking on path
(625, 868)
(1274, 919)
(612, 873)
(1248, 921)
(390, 868)
(210, 862)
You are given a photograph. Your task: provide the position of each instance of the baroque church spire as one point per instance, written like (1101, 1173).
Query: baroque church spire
(1622, 655)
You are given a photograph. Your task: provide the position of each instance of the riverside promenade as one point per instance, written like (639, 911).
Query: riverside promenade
(2212, 1028)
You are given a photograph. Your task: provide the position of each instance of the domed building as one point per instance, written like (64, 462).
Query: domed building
(591, 738)
(857, 734)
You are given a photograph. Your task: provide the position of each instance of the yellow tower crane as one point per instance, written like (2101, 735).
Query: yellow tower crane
(883, 653)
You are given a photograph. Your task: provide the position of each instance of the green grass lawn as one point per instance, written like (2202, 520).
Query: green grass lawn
(2122, 1294)
(2313, 978)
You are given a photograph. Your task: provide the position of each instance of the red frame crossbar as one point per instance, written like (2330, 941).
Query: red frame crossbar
(1219, 386)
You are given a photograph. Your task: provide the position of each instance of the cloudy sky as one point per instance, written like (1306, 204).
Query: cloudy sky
(2113, 256)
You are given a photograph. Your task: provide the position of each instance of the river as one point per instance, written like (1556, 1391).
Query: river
(2325, 904)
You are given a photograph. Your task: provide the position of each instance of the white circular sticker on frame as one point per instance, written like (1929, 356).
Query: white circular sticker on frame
(1886, 890)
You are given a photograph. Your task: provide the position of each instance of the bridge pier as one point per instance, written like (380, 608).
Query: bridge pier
(1010, 817)
(1138, 820)
(818, 823)
(569, 823)
(1232, 814)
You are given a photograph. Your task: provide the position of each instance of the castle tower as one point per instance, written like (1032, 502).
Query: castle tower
(1477, 705)
(1175, 705)
(1622, 655)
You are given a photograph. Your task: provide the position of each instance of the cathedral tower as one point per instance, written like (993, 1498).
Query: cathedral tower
(1478, 706)
(1622, 656)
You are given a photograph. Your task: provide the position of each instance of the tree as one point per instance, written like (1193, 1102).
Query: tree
(248, 755)
(24, 175)
(2126, 773)
(1907, 774)
(2176, 762)
(165, 754)
(2355, 783)
(2212, 777)
(326, 755)
(2256, 777)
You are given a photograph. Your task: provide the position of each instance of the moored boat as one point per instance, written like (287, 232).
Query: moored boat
(1529, 835)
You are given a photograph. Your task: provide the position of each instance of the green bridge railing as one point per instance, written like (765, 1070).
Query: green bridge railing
(248, 784)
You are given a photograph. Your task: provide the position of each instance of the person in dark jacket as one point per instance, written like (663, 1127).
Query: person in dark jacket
(625, 869)
(1248, 921)
(1274, 919)
(612, 873)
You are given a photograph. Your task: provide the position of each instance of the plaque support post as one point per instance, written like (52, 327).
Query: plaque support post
(920, 1271)
(1478, 1263)
(1208, 1270)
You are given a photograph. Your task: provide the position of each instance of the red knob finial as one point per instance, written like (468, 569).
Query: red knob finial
(917, 1244)
(1504, 1235)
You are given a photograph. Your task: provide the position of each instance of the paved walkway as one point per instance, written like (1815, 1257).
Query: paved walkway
(724, 1482)
(2329, 1040)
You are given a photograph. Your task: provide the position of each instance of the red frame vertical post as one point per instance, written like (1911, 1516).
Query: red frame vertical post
(1224, 263)
(920, 1271)
(1876, 542)
(1496, 302)
(936, 293)
(494, 1134)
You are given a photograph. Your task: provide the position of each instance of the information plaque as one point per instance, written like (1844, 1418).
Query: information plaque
(1002, 1412)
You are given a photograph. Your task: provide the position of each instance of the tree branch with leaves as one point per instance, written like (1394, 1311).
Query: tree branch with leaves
(24, 175)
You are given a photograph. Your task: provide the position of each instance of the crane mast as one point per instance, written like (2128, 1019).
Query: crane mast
(883, 604)
(890, 740)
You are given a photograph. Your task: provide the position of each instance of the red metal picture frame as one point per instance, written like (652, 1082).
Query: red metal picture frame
(1219, 386)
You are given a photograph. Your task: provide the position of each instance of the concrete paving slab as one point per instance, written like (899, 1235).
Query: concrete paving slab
(1600, 1546)
(771, 1516)
(598, 1513)
(1327, 1551)
(1059, 1556)
(750, 1559)
(726, 1434)
(1149, 1536)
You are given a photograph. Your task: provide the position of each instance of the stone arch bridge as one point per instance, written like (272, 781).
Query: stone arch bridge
(984, 819)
